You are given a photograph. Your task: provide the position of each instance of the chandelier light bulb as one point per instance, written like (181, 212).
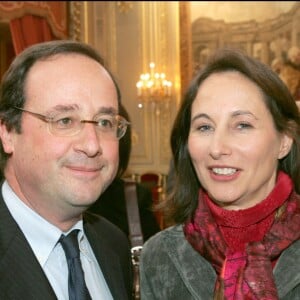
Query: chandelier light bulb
(153, 86)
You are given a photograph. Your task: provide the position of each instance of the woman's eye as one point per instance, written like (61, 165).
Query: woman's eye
(204, 128)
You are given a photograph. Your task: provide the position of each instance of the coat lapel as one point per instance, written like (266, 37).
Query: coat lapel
(287, 270)
(195, 271)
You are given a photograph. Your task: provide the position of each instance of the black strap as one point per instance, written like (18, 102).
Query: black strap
(133, 215)
(135, 233)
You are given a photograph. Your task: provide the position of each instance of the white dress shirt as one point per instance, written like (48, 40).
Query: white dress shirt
(43, 237)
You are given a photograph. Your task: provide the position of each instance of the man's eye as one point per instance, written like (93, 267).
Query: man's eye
(64, 122)
(105, 123)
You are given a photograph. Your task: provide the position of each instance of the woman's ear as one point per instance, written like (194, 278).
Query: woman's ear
(6, 138)
(285, 147)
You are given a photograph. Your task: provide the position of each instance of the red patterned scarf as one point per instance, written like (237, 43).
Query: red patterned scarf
(256, 237)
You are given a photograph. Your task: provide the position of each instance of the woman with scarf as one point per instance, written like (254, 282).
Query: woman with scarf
(235, 202)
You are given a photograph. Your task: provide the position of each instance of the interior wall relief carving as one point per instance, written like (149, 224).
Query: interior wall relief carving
(264, 40)
(265, 30)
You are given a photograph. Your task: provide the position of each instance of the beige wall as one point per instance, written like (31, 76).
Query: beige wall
(129, 41)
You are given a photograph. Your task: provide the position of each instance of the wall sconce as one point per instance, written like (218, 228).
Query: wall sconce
(153, 88)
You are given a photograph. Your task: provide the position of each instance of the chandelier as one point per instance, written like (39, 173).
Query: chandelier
(153, 87)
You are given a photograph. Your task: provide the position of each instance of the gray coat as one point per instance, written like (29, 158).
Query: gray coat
(171, 269)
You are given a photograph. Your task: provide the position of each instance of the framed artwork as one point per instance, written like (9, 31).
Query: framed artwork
(264, 30)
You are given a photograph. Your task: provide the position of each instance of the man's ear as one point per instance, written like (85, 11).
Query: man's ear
(6, 138)
(285, 147)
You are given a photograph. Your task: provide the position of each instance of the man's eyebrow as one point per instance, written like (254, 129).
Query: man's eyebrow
(108, 110)
(74, 107)
(62, 108)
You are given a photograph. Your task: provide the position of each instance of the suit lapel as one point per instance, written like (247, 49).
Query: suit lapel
(21, 275)
(107, 258)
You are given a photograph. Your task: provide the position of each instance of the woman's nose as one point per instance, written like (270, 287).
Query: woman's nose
(220, 144)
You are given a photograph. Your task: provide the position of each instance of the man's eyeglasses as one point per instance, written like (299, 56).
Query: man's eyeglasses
(70, 123)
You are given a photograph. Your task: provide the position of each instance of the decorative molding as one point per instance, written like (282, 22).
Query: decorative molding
(75, 17)
(124, 6)
(164, 124)
(186, 60)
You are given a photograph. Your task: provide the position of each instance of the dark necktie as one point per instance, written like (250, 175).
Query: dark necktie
(77, 286)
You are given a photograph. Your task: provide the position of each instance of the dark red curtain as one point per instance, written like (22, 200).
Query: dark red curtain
(29, 30)
(32, 22)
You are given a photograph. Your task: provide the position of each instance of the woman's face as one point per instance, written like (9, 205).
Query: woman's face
(233, 143)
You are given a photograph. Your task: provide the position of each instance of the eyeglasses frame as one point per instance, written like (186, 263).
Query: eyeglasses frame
(47, 119)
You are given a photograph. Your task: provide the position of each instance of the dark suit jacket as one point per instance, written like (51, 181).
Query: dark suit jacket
(112, 205)
(21, 276)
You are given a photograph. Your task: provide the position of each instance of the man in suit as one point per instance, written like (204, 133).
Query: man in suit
(60, 131)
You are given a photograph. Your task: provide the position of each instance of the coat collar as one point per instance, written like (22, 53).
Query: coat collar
(187, 261)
